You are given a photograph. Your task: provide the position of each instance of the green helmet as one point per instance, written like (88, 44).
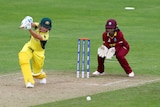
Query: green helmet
(47, 23)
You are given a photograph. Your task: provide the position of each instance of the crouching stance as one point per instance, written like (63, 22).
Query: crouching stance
(32, 55)
(113, 44)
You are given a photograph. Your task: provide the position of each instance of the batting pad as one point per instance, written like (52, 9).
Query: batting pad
(25, 67)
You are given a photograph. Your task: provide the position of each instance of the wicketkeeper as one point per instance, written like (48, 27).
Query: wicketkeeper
(114, 43)
(32, 55)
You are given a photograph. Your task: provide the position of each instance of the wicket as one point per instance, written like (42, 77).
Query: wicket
(83, 42)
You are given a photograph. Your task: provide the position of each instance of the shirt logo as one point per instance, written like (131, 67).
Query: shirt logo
(115, 39)
(47, 23)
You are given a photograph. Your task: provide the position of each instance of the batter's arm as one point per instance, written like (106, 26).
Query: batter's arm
(35, 35)
(33, 25)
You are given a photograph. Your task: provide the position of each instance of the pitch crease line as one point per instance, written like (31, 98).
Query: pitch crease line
(116, 82)
(107, 84)
(8, 75)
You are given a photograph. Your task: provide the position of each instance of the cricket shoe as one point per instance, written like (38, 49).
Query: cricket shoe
(96, 73)
(29, 85)
(43, 81)
(131, 74)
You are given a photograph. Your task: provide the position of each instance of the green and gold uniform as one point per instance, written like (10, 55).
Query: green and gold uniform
(32, 55)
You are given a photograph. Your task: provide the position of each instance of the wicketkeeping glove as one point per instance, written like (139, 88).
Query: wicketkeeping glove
(110, 53)
(26, 22)
(102, 51)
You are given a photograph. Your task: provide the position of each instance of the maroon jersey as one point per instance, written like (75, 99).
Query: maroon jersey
(116, 41)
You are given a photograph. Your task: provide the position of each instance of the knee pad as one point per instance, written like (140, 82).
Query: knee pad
(23, 58)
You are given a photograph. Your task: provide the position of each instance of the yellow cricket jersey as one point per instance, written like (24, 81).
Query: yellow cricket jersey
(36, 44)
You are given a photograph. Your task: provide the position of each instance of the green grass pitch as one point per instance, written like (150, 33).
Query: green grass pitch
(73, 19)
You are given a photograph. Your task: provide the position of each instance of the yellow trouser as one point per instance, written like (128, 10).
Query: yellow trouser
(25, 55)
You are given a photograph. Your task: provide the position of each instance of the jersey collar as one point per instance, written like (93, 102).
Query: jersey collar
(115, 34)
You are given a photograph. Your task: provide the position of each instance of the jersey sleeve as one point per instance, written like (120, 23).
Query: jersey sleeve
(45, 36)
(37, 24)
(125, 43)
(121, 42)
(104, 39)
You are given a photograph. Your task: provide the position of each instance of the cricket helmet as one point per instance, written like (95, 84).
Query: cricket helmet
(111, 24)
(47, 23)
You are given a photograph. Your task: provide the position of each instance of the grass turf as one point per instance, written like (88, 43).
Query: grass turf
(141, 96)
(74, 19)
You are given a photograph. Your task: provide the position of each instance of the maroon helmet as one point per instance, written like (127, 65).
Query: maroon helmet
(111, 24)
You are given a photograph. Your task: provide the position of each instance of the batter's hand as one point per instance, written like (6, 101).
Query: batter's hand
(28, 26)
(26, 22)
(102, 51)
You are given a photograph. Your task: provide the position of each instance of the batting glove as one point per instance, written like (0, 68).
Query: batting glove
(26, 21)
(28, 27)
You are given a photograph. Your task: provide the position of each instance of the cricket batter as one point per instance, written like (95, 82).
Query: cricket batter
(32, 55)
(114, 43)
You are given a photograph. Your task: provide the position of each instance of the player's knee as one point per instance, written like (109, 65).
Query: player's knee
(23, 58)
(40, 75)
(119, 56)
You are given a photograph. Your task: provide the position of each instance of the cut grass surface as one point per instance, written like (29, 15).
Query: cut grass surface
(141, 96)
(73, 19)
